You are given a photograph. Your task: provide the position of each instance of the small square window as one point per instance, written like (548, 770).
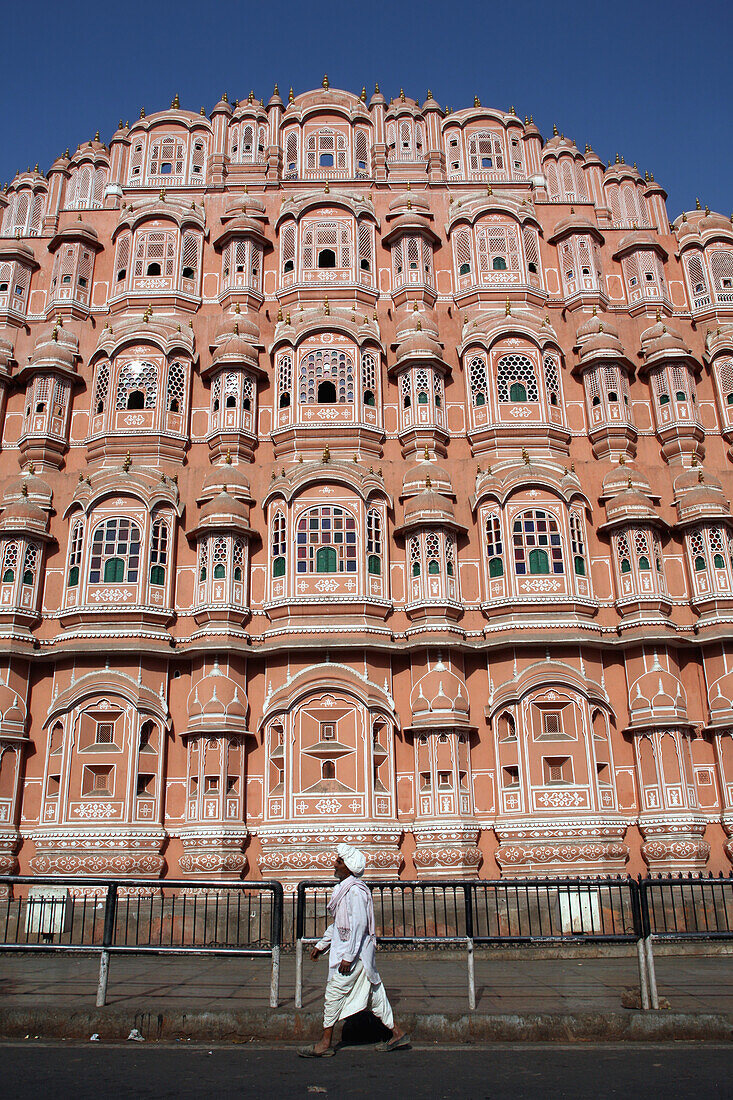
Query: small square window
(105, 733)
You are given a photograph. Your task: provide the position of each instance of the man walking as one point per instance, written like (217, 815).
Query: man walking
(353, 982)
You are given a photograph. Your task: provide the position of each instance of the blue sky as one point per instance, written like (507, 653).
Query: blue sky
(650, 80)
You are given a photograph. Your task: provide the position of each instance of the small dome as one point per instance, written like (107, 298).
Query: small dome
(630, 504)
(226, 479)
(27, 484)
(440, 693)
(416, 478)
(410, 200)
(24, 516)
(217, 701)
(619, 479)
(224, 509)
(660, 339)
(419, 343)
(429, 506)
(694, 476)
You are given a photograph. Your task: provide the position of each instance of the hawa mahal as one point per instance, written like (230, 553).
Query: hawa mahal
(365, 476)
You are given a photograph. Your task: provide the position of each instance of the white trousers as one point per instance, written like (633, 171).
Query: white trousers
(347, 994)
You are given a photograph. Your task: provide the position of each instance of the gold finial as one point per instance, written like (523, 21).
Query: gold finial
(508, 309)
(489, 190)
(225, 97)
(476, 101)
(646, 175)
(120, 124)
(427, 453)
(402, 95)
(376, 89)
(428, 482)
(700, 477)
(326, 454)
(203, 112)
(237, 309)
(622, 460)
(707, 208)
(291, 97)
(142, 112)
(176, 104)
(251, 97)
(409, 204)
(512, 111)
(327, 189)
(595, 311)
(24, 490)
(96, 136)
(429, 95)
(526, 120)
(287, 318)
(684, 216)
(419, 325)
(276, 90)
(355, 458)
(327, 308)
(279, 313)
(228, 458)
(362, 97)
(127, 463)
(525, 456)
(697, 204)
(555, 131)
(161, 196)
(414, 307)
(324, 82)
(659, 314)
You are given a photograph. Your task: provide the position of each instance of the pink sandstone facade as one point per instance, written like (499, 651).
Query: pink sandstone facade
(365, 475)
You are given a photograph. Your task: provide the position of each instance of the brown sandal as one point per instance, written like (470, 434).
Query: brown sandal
(311, 1052)
(403, 1043)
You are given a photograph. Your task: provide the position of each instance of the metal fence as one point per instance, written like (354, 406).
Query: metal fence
(684, 909)
(519, 911)
(143, 916)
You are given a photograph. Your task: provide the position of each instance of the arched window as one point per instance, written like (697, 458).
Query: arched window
(329, 528)
(278, 544)
(374, 542)
(10, 562)
(577, 544)
(485, 152)
(462, 251)
(76, 542)
(115, 551)
(136, 399)
(158, 552)
(155, 253)
(537, 530)
(512, 370)
(101, 387)
(30, 564)
(189, 255)
(287, 248)
(494, 546)
(478, 381)
(551, 370)
(326, 365)
(325, 149)
(326, 244)
(138, 377)
(176, 387)
(285, 380)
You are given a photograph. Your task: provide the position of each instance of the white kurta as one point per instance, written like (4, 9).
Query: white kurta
(361, 988)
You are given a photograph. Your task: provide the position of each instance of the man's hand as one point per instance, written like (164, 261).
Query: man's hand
(345, 966)
(315, 953)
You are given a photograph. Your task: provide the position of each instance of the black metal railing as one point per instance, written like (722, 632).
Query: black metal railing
(142, 916)
(519, 911)
(683, 909)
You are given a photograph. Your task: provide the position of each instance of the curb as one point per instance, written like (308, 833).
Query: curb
(114, 1025)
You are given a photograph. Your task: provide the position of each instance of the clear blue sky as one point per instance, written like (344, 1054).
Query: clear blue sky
(649, 79)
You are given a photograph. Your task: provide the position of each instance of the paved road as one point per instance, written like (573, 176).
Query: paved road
(498, 1072)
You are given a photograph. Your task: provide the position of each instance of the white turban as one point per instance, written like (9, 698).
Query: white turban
(352, 857)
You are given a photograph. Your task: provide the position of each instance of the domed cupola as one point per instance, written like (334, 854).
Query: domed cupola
(672, 371)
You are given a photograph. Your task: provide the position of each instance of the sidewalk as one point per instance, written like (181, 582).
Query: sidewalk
(566, 997)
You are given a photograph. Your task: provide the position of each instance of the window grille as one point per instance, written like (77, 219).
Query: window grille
(158, 552)
(374, 541)
(285, 378)
(623, 553)
(115, 551)
(681, 383)
(76, 543)
(291, 154)
(494, 547)
(531, 250)
(155, 254)
(552, 380)
(123, 258)
(553, 189)
(362, 152)
(326, 364)
(513, 369)
(462, 250)
(537, 543)
(189, 255)
(140, 376)
(39, 203)
(166, 157)
(551, 723)
(326, 541)
(498, 250)
(485, 152)
(406, 386)
(176, 387)
(219, 557)
(325, 149)
(288, 249)
(478, 381)
(661, 387)
(577, 544)
(724, 369)
(238, 559)
(30, 564)
(365, 247)
(61, 391)
(450, 556)
(136, 162)
(438, 392)
(721, 265)
(278, 544)
(432, 551)
(10, 562)
(415, 559)
(369, 374)
(104, 733)
(592, 388)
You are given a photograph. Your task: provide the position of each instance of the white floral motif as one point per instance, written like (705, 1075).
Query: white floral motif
(328, 806)
(95, 809)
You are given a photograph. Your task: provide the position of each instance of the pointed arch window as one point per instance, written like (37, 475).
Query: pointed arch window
(76, 543)
(515, 374)
(374, 542)
(326, 365)
(478, 381)
(158, 552)
(494, 546)
(10, 561)
(577, 544)
(137, 386)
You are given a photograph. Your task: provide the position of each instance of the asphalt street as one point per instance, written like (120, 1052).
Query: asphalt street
(674, 1070)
